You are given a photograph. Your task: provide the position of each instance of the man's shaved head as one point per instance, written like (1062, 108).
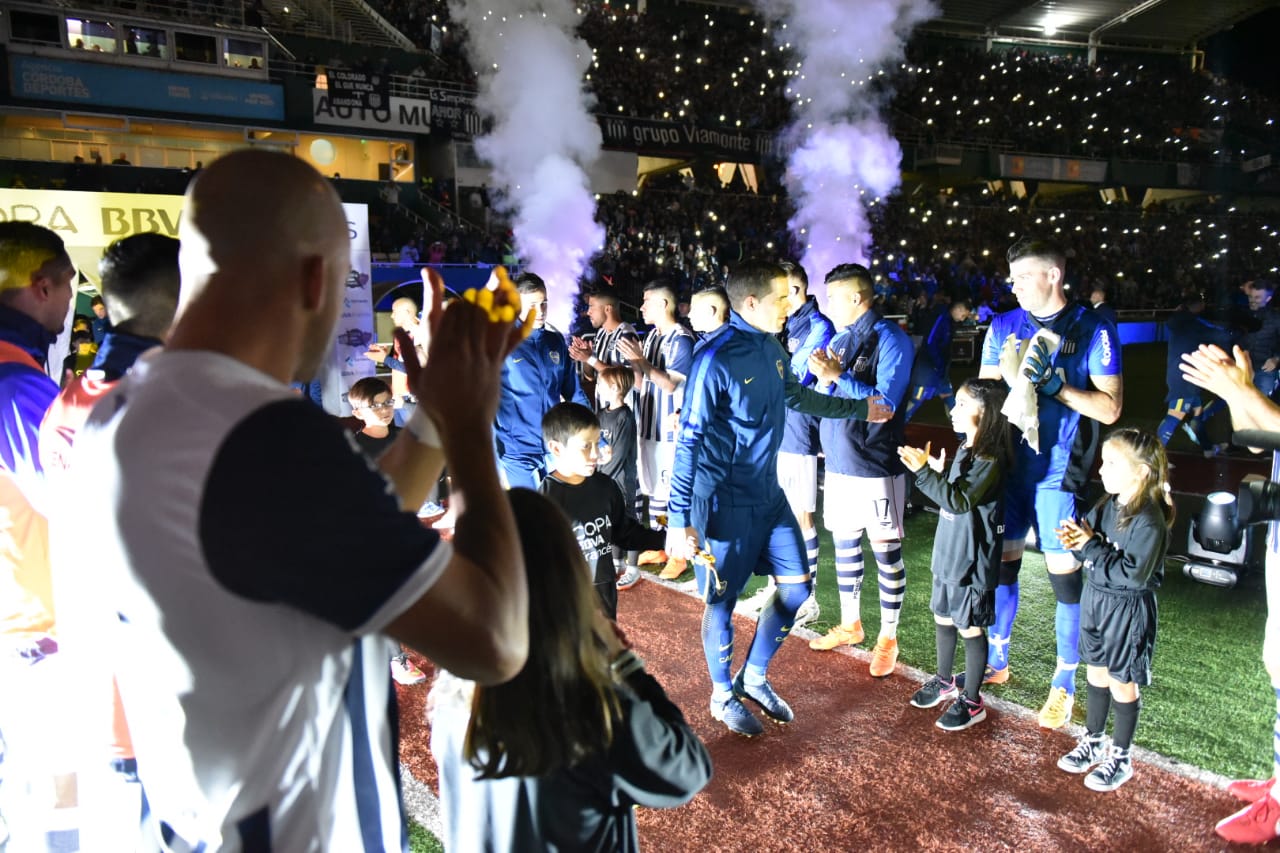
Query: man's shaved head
(253, 210)
(265, 252)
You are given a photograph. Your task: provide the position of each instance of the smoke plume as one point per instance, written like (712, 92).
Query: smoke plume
(842, 155)
(531, 68)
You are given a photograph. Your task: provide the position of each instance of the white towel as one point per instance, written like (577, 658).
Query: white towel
(1022, 406)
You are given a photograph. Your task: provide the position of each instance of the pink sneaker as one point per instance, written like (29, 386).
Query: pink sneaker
(1253, 824)
(1250, 790)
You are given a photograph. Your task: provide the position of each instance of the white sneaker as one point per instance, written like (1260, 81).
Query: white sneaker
(629, 578)
(757, 599)
(807, 613)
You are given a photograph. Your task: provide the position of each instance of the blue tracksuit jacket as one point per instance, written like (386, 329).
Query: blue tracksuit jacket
(732, 421)
(876, 355)
(807, 330)
(537, 375)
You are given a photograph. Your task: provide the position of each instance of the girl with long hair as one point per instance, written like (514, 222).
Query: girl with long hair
(556, 757)
(1122, 544)
(967, 545)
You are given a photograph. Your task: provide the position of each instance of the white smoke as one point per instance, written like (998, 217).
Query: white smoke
(842, 153)
(531, 69)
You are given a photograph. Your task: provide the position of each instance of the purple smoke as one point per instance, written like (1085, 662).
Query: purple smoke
(843, 156)
(531, 83)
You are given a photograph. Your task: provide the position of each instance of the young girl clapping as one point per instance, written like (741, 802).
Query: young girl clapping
(967, 545)
(1122, 545)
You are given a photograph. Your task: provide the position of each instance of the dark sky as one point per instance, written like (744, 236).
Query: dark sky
(1246, 52)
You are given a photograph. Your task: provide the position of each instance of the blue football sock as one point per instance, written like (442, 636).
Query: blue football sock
(717, 643)
(1167, 428)
(774, 624)
(1002, 628)
(1066, 623)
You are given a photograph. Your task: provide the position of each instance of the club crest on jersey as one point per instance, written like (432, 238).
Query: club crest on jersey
(861, 363)
(793, 345)
(780, 369)
(554, 356)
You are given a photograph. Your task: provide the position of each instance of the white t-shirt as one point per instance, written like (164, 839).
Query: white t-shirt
(244, 558)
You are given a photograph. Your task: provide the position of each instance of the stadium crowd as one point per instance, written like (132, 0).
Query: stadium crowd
(727, 70)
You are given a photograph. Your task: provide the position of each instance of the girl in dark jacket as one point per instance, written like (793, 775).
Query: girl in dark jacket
(967, 545)
(556, 758)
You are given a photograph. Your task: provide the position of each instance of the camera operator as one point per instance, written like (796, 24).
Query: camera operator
(1232, 378)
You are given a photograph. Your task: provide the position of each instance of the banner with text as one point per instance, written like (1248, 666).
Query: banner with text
(404, 115)
(648, 136)
(358, 89)
(88, 222)
(106, 85)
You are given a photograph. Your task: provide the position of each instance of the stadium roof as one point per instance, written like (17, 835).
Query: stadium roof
(1158, 24)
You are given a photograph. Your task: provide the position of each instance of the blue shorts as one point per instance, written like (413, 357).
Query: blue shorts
(1027, 505)
(746, 540)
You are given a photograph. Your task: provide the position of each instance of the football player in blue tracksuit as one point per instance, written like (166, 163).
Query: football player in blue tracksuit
(1078, 386)
(1188, 329)
(931, 374)
(866, 485)
(725, 497)
(537, 375)
(806, 331)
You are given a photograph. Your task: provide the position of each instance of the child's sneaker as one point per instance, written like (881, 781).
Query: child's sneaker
(934, 692)
(404, 672)
(1113, 772)
(962, 714)
(629, 577)
(1089, 750)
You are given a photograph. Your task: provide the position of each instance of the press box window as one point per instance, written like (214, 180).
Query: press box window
(193, 47)
(240, 53)
(95, 36)
(34, 28)
(142, 41)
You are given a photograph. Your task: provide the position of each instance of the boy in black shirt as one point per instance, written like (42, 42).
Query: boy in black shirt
(593, 502)
(372, 403)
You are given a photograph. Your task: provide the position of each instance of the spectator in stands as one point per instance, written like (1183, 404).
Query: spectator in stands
(100, 324)
(1098, 299)
(121, 160)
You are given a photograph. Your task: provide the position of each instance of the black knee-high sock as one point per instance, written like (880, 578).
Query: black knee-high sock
(975, 664)
(1095, 715)
(1126, 722)
(946, 651)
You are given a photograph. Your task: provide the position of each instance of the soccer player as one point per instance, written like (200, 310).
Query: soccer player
(661, 365)
(708, 311)
(602, 350)
(36, 289)
(1188, 329)
(807, 331)
(252, 660)
(931, 374)
(725, 497)
(866, 484)
(139, 278)
(535, 377)
(1078, 387)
